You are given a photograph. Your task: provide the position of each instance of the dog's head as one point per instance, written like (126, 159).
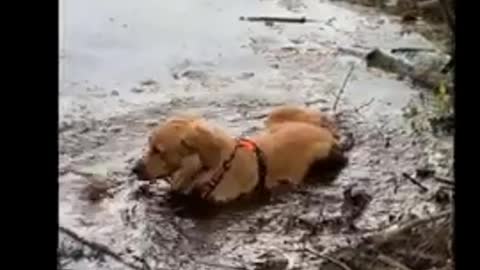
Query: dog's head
(168, 144)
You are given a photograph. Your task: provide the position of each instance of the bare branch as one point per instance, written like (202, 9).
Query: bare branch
(276, 19)
(98, 247)
(410, 49)
(315, 101)
(342, 89)
(444, 181)
(415, 182)
(364, 105)
(328, 258)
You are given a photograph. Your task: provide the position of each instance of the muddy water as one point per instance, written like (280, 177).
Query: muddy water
(126, 63)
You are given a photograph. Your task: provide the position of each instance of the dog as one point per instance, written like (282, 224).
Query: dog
(227, 168)
(188, 167)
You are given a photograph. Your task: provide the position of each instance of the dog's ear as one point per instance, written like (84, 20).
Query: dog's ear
(197, 136)
(201, 140)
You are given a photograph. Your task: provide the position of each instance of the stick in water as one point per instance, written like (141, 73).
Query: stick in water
(342, 89)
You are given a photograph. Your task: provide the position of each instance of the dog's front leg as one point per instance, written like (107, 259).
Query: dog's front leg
(190, 167)
(203, 183)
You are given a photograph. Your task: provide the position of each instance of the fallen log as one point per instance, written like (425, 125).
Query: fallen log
(424, 77)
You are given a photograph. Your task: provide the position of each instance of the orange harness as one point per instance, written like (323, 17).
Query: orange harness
(218, 176)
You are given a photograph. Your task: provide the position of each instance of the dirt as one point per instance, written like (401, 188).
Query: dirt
(117, 82)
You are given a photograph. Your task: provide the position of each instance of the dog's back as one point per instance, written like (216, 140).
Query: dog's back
(292, 147)
(290, 113)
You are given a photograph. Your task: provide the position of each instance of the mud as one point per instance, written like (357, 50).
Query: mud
(125, 66)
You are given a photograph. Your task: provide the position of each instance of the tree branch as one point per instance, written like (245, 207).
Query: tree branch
(98, 247)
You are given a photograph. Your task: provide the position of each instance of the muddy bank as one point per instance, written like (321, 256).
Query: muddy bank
(118, 80)
(435, 19)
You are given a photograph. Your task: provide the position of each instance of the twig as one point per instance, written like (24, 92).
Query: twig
(328, 258)
(396, 229)
(256, 117)
(444, 181)
(276, 19)
(392, 262)
(80, 173)
(219, 265)
(364, 105)
(315, 101)
(98, 247)
(342, 89)
(414, 181)
(247, 231)
(357, 109)
(403, 50)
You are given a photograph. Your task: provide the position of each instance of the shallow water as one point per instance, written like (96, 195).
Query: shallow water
(236, 70)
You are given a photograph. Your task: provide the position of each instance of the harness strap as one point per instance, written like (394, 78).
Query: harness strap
(219, 174)
(261, 162)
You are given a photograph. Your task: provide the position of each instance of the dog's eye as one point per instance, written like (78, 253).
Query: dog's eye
(158, 151)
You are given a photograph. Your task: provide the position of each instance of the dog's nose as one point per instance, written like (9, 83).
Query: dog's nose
(138, 168)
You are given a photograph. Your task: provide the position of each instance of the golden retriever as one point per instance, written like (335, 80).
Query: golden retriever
(204, 158)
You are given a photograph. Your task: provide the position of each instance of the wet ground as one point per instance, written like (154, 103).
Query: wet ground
(126, 65)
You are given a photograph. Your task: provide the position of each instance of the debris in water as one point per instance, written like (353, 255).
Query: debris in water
(246, 75)
(415, 182)
(425, 172)
(148, 82)
(96, 190)
(137, 90)
(276, 19)
(116, 129)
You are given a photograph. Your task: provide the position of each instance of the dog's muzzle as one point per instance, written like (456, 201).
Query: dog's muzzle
(139, 169)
